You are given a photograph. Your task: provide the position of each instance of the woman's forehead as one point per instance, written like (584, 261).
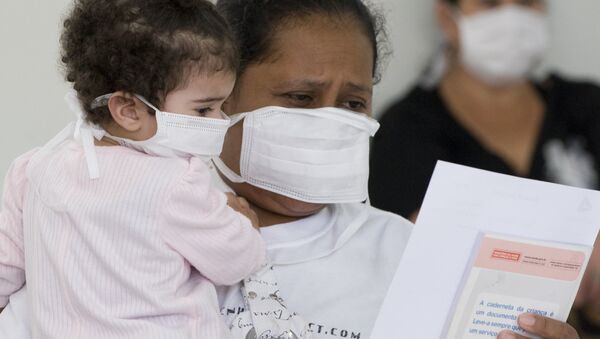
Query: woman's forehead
(322, 48)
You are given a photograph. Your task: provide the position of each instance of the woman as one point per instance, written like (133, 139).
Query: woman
(333, 261)
(486, 113)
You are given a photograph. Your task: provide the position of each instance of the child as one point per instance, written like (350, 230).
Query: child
(106, 221)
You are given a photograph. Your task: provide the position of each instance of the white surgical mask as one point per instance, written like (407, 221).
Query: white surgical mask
(312, 155)
(178, 135)
(502, 46)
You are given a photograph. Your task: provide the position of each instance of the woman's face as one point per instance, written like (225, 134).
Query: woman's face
(315, 61)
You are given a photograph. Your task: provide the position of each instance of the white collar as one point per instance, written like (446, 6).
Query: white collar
(300, 231)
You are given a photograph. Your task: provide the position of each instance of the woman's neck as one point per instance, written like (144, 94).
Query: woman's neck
(268, 218)
(468, 92)
(507, 120)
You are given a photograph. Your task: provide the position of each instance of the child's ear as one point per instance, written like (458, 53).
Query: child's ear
(126, 111)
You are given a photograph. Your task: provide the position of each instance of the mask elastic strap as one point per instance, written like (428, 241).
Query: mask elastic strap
(227, 172)
(102, 101)
(234, 119)
(142, 99)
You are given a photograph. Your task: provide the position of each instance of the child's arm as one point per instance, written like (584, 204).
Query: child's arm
(216, 240)
(12, 261)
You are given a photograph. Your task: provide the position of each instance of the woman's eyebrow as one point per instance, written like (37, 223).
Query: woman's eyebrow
(316, 84)
(302, 83)
(360, 88)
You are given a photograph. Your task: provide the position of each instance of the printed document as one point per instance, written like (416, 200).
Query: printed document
(487, 247)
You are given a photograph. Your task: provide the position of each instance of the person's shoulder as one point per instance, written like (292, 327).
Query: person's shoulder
(19, 166)
(387, 219)
(419, 102)
(385, 236)
(21, 162)
(385, 226)
(391, 222)
(170, 166)
(153, 171)
(577, 91)
(420, 109)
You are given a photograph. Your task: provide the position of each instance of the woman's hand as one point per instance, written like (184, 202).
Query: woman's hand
(544, 327)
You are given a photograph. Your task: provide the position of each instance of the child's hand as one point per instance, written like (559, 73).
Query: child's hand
(241, 205)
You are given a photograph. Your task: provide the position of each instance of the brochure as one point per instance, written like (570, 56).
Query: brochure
(487, 247)
(513, 276)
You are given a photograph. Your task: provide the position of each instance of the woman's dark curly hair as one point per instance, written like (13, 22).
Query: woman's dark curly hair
(145, 47)
(256, 22)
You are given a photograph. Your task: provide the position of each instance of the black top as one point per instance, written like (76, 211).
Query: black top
(419, 130)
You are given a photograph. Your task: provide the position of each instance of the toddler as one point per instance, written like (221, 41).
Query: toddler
(114, 223)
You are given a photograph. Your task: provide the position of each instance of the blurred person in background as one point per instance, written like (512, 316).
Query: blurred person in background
(478, 106)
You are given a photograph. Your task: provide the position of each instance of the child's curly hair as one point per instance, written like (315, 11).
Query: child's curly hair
(146, 47)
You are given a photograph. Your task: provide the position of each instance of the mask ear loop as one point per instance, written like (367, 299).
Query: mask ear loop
(226, 171)
(237, 118)
(142, 99)
(220, 165)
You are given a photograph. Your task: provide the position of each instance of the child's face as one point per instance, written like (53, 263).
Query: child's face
(202, 96)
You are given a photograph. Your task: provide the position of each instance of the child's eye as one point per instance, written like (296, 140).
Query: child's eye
(204, 111)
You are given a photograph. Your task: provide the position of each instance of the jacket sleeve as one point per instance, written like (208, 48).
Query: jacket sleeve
(12, 258)
(219, 242)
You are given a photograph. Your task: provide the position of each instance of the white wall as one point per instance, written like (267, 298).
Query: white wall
(32, 89)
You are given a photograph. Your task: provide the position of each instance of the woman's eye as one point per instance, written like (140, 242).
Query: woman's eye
(490, 3)
(531, 3)
(300, 99)
(354, 105)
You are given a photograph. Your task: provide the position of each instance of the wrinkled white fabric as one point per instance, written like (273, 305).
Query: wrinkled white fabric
(312, 155)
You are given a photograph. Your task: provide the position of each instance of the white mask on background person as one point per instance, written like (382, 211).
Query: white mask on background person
(502, 46)
(177, 135)
(312, 155)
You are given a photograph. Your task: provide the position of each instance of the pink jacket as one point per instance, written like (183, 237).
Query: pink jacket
(113, 257)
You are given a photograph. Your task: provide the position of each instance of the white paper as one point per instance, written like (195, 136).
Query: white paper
(461, 206)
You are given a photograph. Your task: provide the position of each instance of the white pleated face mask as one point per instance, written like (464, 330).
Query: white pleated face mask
(312, 155)
(178, 135)
(502, 46)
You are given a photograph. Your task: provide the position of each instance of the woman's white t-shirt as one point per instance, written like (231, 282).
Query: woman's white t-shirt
(337, 290)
